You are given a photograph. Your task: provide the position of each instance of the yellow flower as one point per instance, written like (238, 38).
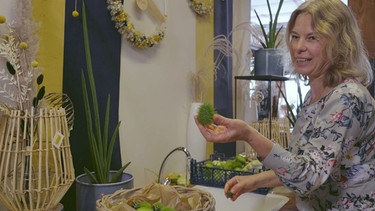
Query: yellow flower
(23, 45)
(34, 64)
(75, 13)
(202, 7)
(2, 19)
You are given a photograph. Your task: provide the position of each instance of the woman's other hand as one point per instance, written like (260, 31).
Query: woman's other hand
(239, 185)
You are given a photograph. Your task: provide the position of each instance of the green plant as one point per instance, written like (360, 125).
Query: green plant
(270, 39)
(292, 117)
(206, 114)
(101, 147)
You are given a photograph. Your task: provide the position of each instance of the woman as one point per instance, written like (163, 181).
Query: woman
(330, 164)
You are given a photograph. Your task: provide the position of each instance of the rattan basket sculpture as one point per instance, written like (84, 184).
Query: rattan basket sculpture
(179, 197)
(36, 167)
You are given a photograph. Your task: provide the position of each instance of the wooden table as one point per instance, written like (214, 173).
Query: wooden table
(290, 205)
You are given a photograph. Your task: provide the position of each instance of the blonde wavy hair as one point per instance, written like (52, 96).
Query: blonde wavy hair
(345, 49)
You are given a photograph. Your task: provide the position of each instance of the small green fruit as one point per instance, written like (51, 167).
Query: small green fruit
(229, 194)
(241, 159)
(144, 204)
(145, 209)
(206, 114)
(157, 206)
(168, 209)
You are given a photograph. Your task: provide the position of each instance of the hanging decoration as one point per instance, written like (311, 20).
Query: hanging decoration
(202, 7)
(127, 29)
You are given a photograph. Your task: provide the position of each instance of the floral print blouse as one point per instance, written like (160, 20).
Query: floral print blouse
(330, 163)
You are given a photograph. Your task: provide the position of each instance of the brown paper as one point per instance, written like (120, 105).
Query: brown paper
(178, 197)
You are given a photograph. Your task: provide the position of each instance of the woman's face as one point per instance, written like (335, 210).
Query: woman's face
(307, 50)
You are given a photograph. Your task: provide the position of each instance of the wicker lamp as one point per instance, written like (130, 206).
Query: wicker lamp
(36, 167)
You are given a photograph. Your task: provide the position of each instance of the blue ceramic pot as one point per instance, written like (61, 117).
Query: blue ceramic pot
(268, 62)
(87, 194)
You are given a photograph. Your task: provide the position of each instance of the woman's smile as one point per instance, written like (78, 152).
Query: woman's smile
(302, 61)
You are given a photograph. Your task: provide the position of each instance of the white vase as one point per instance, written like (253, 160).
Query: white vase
(195, 142)
(250, 111)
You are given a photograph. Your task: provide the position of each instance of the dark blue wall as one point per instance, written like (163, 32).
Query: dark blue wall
(223, 83)
(105, 43)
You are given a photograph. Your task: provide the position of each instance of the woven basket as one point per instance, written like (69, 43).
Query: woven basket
(36, 167)
(181, 197)
(280, 130)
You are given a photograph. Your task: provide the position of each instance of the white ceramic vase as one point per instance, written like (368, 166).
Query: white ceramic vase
(195, 142)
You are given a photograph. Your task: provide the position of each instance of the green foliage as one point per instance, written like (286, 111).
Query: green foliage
(101, 147)
(41, 92)
(39, 81)
(271, 39)
(239, 163)
(292, 117)
(205, 114)
(11, 69)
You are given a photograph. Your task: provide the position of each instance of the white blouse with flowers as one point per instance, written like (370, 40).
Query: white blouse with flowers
(330, 164)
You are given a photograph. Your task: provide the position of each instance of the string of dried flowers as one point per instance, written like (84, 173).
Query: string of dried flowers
(126, 28)
(202, 7)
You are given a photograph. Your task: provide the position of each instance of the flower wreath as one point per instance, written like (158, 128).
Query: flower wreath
(125, 27)
(202, 7)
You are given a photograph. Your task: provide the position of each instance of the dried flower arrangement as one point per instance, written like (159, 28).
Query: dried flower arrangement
(21, 78)
(202, 7)
(125, 27)
(18, 47)
(34, 126)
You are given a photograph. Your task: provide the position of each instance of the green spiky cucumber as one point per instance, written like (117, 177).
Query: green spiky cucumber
(206, 114)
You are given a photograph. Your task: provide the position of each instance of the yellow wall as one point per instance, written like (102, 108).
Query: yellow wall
(51, 15)
(204, 36)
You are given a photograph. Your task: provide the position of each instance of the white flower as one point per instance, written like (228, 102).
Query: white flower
(351, 158)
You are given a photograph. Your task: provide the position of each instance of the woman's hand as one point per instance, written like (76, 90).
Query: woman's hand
(224, 130)
(239, 185)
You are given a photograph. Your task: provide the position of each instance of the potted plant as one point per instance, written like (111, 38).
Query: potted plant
(94, 184)
(267, 60)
